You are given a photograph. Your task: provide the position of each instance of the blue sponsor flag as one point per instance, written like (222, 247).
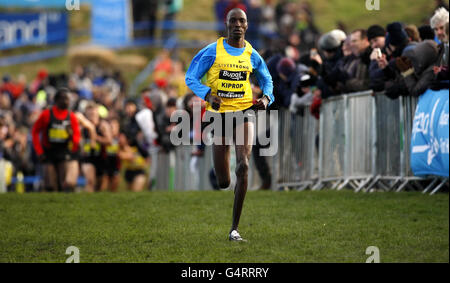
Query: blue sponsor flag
(111, 22)
(430, 135)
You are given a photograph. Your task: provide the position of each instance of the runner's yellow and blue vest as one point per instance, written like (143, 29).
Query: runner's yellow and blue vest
(229, 79)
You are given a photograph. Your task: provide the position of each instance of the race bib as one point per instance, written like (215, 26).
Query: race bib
(58, 135)
(231, 84)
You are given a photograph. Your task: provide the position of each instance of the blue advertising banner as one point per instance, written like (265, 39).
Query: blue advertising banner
(111, 22)
(430, 135)
(23, 29)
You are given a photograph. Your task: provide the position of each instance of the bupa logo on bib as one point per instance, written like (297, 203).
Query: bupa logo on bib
(232, 76)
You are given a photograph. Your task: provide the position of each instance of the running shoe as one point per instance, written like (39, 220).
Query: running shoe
(234, 236)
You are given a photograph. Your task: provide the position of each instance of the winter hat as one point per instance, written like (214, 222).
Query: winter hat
(426, 32)
(286, 66)
(375, 31)
(331, 40)
(42, 74)
(423, 55)
(6, 78)
(396, 35)
(307, 80)
(339, 35)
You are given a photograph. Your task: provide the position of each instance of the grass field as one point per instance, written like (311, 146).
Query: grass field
(324, 226)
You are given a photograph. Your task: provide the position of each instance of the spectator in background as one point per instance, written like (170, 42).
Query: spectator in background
(254, 16)
(359, 77)
(304, 94)
(396, 40)
(145, 11)
(376, 35)
(441, 4)
(287, 23)
(163, 69)
(416, 67)
(293, 47)
(171, 9)
(396, 43)
(440, 67)
(306, 28)
(165, 126)
(18, 151)
(280, 11)
(38, 81)
(14, 90)
(129, 124)
(268, 23)
(219, 7)
(413, 33)
(332, 64)
(177, 79)
(287, 77)
(426, 32)
(438, 22)
(82, 83)
(441, 71)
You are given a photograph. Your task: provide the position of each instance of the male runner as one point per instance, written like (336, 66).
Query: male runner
(56, 138)
(228, 64)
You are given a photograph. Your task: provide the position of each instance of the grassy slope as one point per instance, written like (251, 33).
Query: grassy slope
(326, 226)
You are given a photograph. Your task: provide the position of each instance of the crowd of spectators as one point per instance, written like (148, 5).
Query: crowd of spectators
(396, 60)
(98, 97)
(306, 65)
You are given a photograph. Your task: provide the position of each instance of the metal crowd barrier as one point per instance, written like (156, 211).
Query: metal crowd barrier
(347, 138)
(364, 144)
(296, 161)
(191, 172)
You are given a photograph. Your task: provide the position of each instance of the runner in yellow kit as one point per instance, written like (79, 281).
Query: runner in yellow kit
(228, 64)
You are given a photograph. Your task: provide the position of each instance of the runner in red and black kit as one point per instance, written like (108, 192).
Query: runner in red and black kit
(56, 139)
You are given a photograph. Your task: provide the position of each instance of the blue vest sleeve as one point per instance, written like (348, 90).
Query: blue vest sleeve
(262, 75)
(200, 65)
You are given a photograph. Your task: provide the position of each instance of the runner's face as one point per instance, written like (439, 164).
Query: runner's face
(63, 101)
(237, 24)
(123, 141)
(92, 115)
(115, 127)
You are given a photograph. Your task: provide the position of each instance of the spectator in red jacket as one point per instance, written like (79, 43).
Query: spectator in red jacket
(56, 139)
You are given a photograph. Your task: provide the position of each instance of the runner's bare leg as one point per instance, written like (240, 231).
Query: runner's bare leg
(221, 159)
(243, 153)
